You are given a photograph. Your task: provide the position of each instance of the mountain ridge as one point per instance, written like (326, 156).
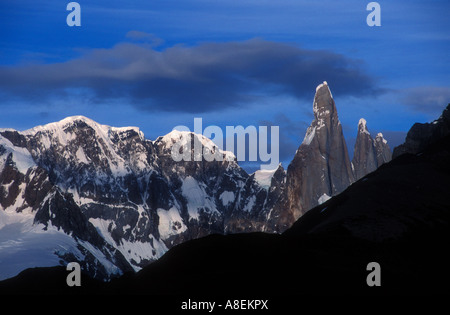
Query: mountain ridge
(324, 253)
(124, 201)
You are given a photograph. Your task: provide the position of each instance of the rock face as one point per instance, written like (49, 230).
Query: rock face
(115, 201)
(369, 154)
(32, 204)
(398, 217)
(364, 156)
(254, 208)
(382, 150)
(121, 200)
(421, 135)
(321, 167)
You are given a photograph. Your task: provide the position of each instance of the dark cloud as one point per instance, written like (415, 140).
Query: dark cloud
(430, 100)
(201, 78)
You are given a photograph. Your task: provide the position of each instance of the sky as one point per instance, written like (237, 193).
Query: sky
(161, 63)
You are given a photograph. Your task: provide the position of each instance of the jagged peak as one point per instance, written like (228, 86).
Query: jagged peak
(175, 135)
(362, 126)
(323, 101)
(323, 108)
(380, 138)
(323, 87)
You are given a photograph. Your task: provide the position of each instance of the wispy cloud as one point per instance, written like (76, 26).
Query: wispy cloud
(144, 37)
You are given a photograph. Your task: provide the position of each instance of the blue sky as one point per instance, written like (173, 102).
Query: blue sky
(159, 64)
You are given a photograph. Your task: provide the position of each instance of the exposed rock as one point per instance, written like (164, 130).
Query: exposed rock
(123, 200)
(382, 149)
(369, 154)
(125, 195)
(321, 164)
(421, 135)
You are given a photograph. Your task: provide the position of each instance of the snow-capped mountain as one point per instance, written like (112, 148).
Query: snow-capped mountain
(116, 197)
(107, 197)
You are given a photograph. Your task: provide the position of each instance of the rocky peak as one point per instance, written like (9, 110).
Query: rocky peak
(382, 150)
(136, 201)
(321, 165)
(364, 156)
(325, 115)
(369, 153)
(422, 135)
(323, 102)
(362, 127)
(200, 147)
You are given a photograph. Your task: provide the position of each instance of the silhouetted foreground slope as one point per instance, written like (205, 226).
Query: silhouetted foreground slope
(397, 216)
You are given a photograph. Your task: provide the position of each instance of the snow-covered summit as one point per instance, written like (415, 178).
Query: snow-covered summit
(183, 137)
(321, 85)
(63, 126)
(324, 85)
(324, 111)
(362, 126)
(122, 201)
(264, 177)
(380, 138)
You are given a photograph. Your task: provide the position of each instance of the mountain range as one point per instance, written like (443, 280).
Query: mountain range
(397, 216)
(115, 202)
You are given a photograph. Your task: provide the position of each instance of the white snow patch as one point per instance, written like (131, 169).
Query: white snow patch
(309, 136)
(21, 156)
(196, 197)
(170, 223)
(323, 199)
(139, 251)
(81, 156)
(264, 177)
(249, 206)
(227, 197)
(136, 251)
(24, 245)
(362, 126)
(380, 136)
(97, 253)
(322, 85)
